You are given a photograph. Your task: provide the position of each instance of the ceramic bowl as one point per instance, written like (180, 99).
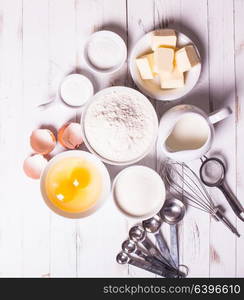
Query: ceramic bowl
(105, 177)
(96, 98)
(152, 87)
(154, 210)
(115, 38)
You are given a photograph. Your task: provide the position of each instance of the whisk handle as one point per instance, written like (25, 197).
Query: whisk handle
(233, 202)
(220, 217)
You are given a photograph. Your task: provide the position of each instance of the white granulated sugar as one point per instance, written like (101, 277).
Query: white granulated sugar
(104, 52)
(121, 125)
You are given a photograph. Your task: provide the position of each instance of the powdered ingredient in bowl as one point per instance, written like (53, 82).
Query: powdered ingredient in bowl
(120, 125)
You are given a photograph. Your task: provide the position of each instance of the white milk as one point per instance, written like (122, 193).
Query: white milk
(139, 191)
(189, 133)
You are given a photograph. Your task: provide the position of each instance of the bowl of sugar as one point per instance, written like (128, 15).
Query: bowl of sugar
(138, 192)
(105, 52)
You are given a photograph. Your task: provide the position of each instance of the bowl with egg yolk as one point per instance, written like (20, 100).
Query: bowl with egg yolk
(75, 184)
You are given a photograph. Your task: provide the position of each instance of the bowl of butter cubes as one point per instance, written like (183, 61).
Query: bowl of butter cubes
(165, 64)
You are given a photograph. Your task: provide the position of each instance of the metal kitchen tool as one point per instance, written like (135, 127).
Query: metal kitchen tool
(124, 258)
(153, 225)
(172, 213)
(138, 234)
(184, 183)
(212, 173)
(130, 247)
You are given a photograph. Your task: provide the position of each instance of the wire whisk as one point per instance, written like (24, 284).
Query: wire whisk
(184, 184)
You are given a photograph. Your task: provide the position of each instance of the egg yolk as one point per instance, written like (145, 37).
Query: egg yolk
(73, 184)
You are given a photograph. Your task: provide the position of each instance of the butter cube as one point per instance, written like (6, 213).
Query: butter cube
(144, 68)
(163, 60)
(186, 58)
(172, 80)
(166, 37)
(150, 58)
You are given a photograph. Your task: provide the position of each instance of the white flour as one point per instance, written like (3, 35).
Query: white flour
(121, 125)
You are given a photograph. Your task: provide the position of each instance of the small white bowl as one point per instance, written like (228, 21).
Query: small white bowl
(104, 173)
(152, 87)
(155, 210)
(112, 37)
(80, 79)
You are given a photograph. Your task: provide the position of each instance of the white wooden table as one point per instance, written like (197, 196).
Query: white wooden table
(41, 41)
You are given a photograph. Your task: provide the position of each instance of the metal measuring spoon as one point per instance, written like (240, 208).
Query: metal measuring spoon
(124, 258)
(130, 247)
(153, 225)
(172, 213)
(212, 174)
(138, 234)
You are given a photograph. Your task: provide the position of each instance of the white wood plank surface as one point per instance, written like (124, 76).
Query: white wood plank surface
(222, 92)
(62, 61)
(41, 41)
(98, 247)
(190, 18)
(140, 20)
(36, 248)
(11, 114)
(238, 11)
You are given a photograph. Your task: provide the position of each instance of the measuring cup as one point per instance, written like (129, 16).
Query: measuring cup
(212, 174)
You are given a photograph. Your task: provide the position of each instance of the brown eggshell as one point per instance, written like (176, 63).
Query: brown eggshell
(69, 135)
(42, 141)
(34, 165)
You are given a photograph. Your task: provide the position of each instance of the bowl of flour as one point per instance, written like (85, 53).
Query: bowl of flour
(119, 125)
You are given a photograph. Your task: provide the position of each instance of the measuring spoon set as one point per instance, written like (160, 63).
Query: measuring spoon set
(140, 251)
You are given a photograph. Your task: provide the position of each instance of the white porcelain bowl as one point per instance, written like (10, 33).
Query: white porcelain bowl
(117, 40)
(104, 174)
(122, 90)
(152, 87)
(80, 80)
(158, 184)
